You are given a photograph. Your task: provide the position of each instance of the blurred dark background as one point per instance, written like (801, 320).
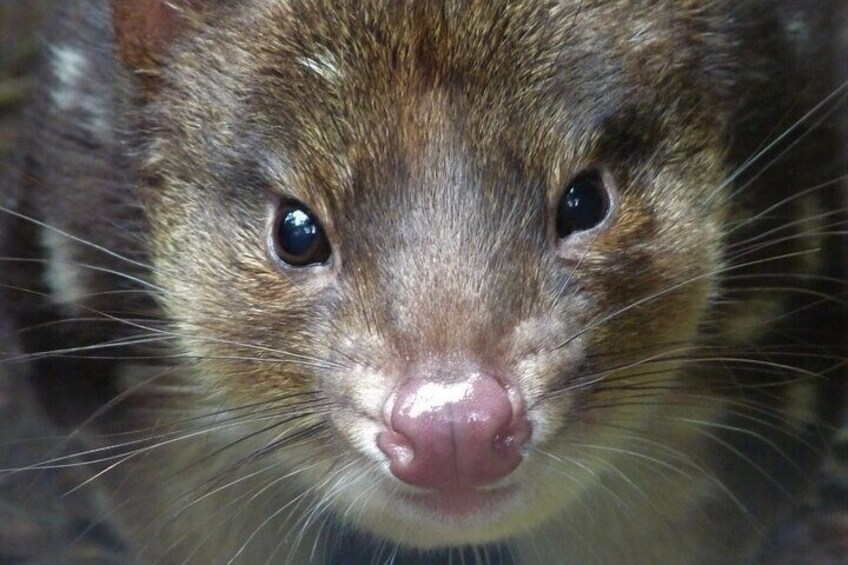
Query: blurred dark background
(43, 519)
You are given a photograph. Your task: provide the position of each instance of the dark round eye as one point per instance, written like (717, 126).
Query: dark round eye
(299, 239)
(584, 204)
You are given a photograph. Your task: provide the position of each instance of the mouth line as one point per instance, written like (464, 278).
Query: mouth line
(459, 503)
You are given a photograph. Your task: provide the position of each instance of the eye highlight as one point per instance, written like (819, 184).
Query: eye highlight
(298, 237)
(584, 204)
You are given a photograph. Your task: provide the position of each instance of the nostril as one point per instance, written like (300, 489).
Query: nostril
(396, 447)
(453, 435)
(515, 436)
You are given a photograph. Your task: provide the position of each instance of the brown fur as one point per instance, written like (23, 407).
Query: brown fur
(433, 140)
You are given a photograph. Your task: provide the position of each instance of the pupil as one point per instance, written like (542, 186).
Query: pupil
(299, 239)
(583, 206)
(299, 233)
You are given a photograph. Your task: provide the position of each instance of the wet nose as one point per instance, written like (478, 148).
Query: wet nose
(453, 435)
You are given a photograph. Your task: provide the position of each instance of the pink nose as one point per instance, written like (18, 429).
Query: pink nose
(454, 435)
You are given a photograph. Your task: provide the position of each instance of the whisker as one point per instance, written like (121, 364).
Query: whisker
(71, 237)
(837, 95)
(676, 286)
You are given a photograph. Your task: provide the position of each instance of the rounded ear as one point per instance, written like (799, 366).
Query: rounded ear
(145, 28)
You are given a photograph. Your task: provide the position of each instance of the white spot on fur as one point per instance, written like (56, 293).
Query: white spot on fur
(62, 275)
(70, 67)
(799, 32)
(750, 321)
(802, 403)
(72, 90)
(324, 65)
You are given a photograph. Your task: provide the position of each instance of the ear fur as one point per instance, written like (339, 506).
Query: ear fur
(144, 29)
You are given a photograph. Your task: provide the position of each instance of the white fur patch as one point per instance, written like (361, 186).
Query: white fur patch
(798, 30)
(70, 67)
(72, 90)
(324, 65)
(802, 403)
(62, 275)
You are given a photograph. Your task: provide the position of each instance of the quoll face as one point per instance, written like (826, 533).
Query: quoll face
(556, 280)
(469, 248)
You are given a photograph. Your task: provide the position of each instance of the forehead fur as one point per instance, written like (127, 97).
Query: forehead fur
(542, 78)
